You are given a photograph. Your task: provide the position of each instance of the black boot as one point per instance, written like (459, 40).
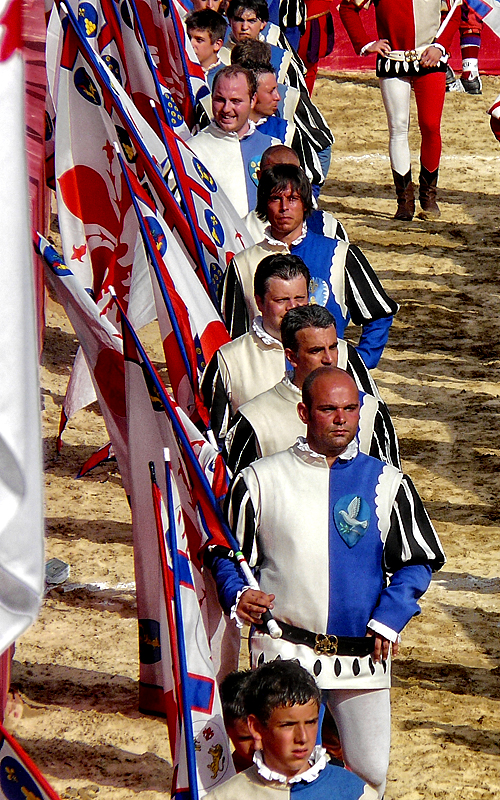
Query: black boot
(427, 194)
(405, 195)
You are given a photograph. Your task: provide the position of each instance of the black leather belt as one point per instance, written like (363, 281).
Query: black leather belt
(326, 644)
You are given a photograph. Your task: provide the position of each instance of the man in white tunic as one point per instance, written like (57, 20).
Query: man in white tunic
(344, 550)
(270, 422)
(254, 362)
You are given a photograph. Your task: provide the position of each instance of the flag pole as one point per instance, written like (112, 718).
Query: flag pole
(181, 642)
(168, 593)
(103, 75)
(152, 252)
(447, 19)
(272, 626)
(199, 250)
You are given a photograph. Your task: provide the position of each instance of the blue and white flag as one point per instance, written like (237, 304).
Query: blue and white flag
(488, 11)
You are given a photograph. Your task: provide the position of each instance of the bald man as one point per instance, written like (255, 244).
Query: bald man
(345, 550)
(270, 422)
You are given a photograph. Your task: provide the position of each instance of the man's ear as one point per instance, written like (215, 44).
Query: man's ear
(217, 45)
(259, 302)
(291, 357)
(253, 101)
(255, 727)
(303, 412)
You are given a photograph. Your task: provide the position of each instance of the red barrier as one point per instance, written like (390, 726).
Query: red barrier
(344, 57)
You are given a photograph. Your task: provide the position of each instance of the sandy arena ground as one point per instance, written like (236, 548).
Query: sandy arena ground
(77, 666)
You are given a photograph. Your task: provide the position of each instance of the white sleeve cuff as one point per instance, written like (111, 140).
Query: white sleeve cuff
(363, 51)
(387, 633)
(233, 614)
(440, 47)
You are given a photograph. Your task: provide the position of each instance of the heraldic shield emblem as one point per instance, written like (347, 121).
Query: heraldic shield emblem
(352, 518)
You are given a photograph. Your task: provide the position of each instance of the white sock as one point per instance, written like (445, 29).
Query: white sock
(470, 65)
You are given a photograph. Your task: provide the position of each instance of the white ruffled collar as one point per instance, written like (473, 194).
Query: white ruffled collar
(309, 455)
(270, 238)
(266, 337)
(288, 382)
(318, 761)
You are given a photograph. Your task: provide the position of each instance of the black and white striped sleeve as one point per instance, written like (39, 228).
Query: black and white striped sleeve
(241, 517)
(215, 398)
(341, 232)
(412, 539)
(360, 373)
(292, 13)
(240, 445)
(233, 306)
(365, 295)
(385, 444)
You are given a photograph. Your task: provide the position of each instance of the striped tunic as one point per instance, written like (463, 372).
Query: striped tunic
(329, 576)
(341, 279)
(270, 423)
(239, 371)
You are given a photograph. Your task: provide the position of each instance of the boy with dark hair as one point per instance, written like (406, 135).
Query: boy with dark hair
(283, 701)
(232, 694)
(206, 30)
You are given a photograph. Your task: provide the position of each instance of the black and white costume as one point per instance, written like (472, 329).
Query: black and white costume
(239, 371)
(341, 279)
(343, 548)
(270, 423)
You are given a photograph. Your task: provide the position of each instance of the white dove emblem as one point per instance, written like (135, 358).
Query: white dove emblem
(350, 516)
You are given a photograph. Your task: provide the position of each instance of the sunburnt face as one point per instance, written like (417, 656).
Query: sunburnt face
(280, 297)
(333, 419)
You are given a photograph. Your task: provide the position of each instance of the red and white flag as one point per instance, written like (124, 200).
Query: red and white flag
(201, 754)
(21, 479)
(191, 329)
(102, 347)
(150, 430)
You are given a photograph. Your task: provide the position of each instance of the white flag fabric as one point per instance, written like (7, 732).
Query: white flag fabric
(21, 499)
(102, 346)
(200, 750)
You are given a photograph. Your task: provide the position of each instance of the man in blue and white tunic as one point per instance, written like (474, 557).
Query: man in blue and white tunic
(344, 549)
(341, 277)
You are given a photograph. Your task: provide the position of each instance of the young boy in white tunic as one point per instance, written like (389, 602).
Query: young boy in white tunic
(283, 707)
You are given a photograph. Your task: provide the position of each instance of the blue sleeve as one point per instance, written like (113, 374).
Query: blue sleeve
(398, 601)
(228, 581)
(373, 340)
(325, 156)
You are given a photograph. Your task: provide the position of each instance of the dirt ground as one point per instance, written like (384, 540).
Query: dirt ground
(77, 668)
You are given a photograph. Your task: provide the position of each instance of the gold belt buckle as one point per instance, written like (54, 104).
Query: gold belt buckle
(326, 644)
(411, 55)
